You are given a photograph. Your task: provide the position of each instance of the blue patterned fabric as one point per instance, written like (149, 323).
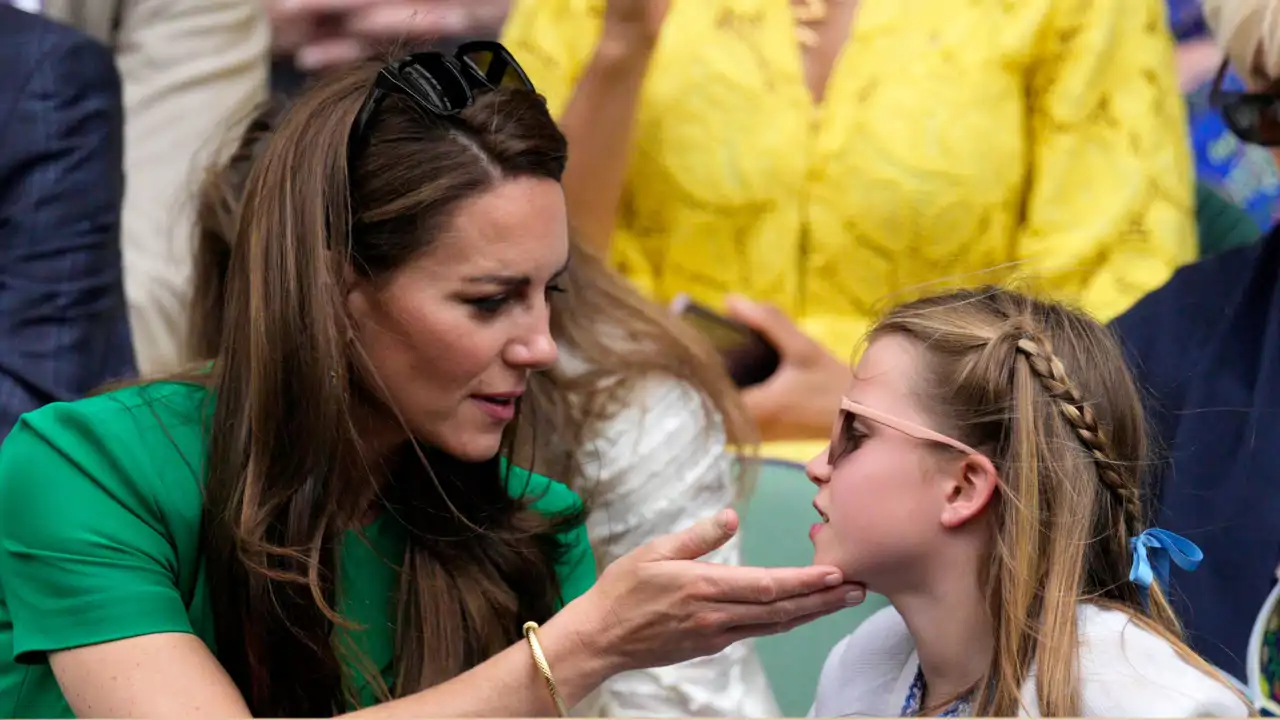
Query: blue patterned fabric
(1186, 20)
(63, 322)
(1244, 174)
(915, 696)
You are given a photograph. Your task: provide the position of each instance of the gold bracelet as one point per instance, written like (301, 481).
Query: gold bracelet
(531, 634)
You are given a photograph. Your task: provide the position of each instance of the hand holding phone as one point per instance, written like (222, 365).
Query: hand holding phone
(748, 356)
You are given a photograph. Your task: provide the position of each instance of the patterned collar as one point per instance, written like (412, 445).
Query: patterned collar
(911, 706)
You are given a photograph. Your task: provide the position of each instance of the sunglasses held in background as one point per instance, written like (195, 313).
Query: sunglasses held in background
(1254, 117)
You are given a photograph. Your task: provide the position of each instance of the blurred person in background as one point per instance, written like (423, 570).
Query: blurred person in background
(310, 36)
(636, 416)
(187, 66)
(1206, 346)
(1244, 174)
(64, 328)
(825, 155)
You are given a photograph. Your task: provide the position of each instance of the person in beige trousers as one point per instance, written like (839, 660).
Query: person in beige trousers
(189, 67)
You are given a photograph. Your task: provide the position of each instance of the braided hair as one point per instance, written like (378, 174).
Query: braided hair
(1045, 393)
(1079, 414)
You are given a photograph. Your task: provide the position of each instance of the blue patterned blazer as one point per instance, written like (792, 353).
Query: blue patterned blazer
(63, 323)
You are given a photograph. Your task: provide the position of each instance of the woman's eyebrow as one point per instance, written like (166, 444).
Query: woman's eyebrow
(507, 280)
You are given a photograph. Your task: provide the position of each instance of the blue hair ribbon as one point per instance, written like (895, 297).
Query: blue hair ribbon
(1153, 550)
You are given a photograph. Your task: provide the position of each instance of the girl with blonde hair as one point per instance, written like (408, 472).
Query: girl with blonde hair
(985, 474)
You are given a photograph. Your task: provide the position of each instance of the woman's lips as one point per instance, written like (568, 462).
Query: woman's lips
(499, 407)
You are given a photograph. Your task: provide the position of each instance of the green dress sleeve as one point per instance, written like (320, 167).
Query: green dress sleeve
(576, 570)
(86, 553)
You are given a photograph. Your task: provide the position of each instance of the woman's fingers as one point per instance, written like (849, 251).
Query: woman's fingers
(427, 19)
(732, 583)
(693, 542)
(409, 20)
(330, 52)
(782, 612)
(746, 632)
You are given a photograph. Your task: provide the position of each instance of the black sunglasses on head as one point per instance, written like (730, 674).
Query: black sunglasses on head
(440, 84)
(1253, 117)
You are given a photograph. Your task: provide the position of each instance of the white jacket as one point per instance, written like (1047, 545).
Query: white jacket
(657, 466)
(190, 70)
(1125, 671)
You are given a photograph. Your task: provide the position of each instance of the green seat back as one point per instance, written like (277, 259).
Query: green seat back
(1221, 224)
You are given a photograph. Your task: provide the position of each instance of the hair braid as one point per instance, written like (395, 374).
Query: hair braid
(1053, 377)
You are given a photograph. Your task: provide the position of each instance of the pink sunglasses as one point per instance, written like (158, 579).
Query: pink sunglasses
(906, 427)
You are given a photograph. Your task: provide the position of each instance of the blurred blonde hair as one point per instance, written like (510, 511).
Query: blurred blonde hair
(1249, 33)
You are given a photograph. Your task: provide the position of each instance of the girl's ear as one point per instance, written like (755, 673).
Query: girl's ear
(969, 491)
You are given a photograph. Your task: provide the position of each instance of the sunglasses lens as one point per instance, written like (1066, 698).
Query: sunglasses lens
(436, 84)
(842, 437)
(498, 69)
(1255, 119)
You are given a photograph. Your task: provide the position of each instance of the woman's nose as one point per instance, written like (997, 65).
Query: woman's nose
(537, 352)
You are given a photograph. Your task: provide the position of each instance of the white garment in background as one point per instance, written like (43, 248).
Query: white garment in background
(31, 6)
(657, 467)
(189, 68)
(1125, 671)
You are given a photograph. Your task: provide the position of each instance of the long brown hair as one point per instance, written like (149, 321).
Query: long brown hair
(1046, 392)
(286, 477)
(618, 337)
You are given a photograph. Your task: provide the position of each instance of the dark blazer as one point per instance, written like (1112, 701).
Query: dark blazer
(63, 323)
(1206, 346)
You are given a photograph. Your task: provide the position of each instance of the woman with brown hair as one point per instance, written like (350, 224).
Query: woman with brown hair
(635, 415)
(331, 518)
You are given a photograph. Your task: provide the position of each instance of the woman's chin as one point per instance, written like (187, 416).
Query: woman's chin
(469, 447)
(476, 452)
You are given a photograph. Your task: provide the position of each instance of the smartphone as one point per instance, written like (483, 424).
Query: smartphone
(748, 356)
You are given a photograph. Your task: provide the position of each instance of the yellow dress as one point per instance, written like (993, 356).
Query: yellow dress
(1042, 142)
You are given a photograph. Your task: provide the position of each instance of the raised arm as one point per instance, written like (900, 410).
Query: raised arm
(92, 581)
(653, 608)
(591, 72)
(1110, 212)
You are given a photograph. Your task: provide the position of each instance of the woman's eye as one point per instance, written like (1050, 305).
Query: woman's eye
(490, 306)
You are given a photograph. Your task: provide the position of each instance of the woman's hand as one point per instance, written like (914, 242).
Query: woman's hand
(799, 401)
(634, 24)
(658, 606)
(322, 34)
